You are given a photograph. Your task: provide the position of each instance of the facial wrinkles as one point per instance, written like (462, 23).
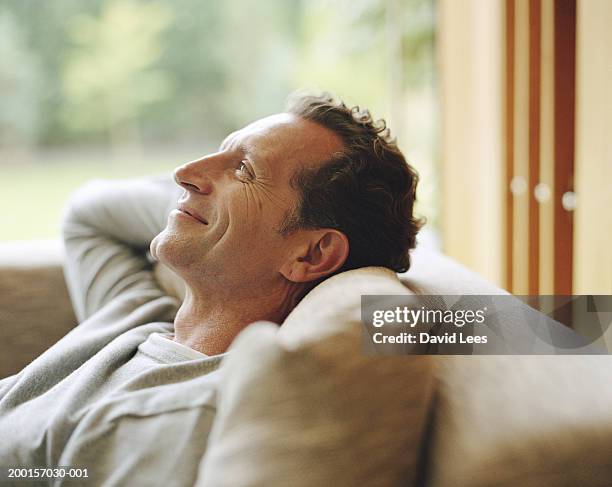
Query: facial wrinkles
(249, 196)
(260, 193)
(258, 198)
(271, 190)
(262, 188)
(272, 196)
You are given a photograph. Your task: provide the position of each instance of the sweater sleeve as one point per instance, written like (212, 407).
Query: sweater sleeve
(107, 228)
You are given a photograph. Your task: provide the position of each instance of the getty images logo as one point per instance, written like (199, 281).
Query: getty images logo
(404, 315)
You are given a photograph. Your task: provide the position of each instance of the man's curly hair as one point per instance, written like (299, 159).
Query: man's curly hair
(367, 191)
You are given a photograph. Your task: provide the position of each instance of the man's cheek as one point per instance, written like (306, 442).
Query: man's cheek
(244, 220)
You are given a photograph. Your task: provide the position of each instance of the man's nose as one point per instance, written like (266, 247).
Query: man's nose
(195, 176)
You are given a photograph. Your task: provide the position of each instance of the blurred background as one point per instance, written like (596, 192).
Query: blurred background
(119, 88)
(503, 106)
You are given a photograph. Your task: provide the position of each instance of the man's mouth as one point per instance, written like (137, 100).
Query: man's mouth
(190, 212)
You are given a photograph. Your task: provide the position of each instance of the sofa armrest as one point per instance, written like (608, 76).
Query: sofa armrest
(35, 309)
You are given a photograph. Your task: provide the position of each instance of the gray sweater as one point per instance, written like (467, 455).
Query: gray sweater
(115, 395)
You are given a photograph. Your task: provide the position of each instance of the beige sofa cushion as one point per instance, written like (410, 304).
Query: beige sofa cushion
(506, 421)
(303, 405)
(434, 273)
(35, 309)
(528, 421)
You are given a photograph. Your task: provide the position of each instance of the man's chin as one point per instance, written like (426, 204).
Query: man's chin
(154, 245)
(161, 249)
(174, 251)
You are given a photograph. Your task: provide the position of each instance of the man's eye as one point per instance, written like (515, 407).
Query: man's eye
(245, 170)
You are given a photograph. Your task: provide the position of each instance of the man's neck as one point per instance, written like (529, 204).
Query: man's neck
(210, 323)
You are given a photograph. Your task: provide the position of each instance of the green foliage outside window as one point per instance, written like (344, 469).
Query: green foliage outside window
(96, 87)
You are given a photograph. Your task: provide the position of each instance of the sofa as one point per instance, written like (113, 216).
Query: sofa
(477, 420)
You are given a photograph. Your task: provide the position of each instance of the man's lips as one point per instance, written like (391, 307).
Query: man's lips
(192, 213)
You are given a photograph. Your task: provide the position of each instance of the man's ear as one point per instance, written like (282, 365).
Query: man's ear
(322, 252)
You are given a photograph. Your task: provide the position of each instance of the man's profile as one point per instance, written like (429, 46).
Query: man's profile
(285, 203)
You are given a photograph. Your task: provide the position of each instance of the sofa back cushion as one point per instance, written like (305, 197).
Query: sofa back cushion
(529, 421)
(35, 308)
(506, 421)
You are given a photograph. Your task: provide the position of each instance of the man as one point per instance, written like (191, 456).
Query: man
(286, 202)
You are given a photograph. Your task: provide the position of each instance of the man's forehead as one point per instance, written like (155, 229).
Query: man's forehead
(268, 126)
(278, 120)
(287, 135)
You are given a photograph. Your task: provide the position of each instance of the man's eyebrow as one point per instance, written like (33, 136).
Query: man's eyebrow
(228, 139)
(253, 158)
(224, 142)
(244, 149)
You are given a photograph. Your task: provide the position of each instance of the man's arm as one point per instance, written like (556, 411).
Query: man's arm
(107, 228)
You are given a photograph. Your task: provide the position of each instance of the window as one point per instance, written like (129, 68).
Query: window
(115, 88)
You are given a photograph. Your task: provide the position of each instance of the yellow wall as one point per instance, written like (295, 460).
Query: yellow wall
(472, 62)
(470, 51)
(593, 170)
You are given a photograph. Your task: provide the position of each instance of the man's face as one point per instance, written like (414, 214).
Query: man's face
(235, 200)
